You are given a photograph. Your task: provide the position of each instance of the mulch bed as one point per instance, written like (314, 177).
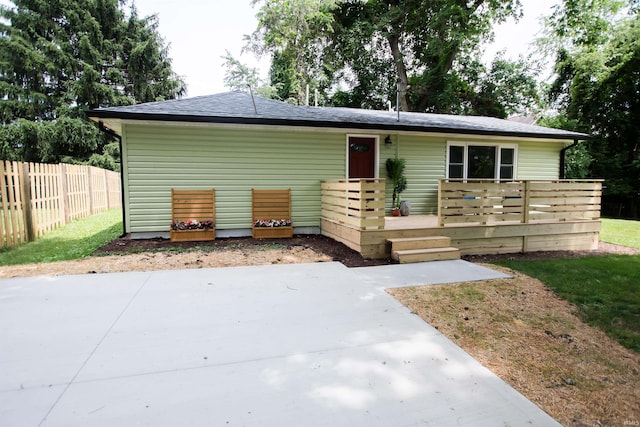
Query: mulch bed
(321, 244)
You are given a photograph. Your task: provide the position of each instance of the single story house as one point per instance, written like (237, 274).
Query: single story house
(234, 142)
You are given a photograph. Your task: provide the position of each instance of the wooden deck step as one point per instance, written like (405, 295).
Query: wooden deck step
(420, 243)
(424, 255)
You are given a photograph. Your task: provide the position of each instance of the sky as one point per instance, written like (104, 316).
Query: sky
(199, 32)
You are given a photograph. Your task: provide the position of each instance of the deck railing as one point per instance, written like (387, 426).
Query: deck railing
(478, 201)
(357, 203)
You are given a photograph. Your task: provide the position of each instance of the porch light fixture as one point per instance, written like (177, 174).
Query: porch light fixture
(387, 141)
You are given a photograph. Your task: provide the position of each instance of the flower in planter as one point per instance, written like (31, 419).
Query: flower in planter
(192, 224)
(272, 223)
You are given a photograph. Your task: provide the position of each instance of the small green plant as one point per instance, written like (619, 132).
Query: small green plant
(395, 172)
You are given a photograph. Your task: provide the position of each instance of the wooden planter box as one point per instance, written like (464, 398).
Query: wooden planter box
(197, 205)
(193, 235)
(271, 205)
(272, 232)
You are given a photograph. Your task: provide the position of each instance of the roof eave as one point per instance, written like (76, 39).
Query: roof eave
(324, 124)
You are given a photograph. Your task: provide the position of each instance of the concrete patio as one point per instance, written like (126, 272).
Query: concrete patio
(282, 345)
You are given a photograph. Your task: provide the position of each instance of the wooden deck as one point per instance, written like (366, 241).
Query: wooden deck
(566, 221)
(471, 239)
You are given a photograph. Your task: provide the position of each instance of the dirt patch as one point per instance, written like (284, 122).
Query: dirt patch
(125, 254)
(529, 337)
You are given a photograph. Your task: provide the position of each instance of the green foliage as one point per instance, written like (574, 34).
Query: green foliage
(508, 87)
(597, 86)
(295, 34)
(75, 240)
(238, 76)
(604, 289)
(578, 158)
(361, 53)
(621, 232)
(395, 172)
(430, 46)
(60, 58)
(582, 22)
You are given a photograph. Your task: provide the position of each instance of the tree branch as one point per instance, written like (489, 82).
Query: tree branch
(401, 70)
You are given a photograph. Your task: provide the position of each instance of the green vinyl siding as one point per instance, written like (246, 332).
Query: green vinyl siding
(539, 160)
(425, 159)
(235, 160)
(232, 161)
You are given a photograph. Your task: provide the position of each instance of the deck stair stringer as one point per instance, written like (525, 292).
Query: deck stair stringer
(423, 249)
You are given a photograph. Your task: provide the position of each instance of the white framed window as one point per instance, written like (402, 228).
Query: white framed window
(476, 160)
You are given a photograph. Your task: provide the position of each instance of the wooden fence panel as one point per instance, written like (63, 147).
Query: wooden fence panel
(13, 222)
(77, 191)
(114, 189)
(46, 197)
(36, 198)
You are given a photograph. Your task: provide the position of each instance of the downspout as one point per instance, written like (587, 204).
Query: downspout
(563, 153)
(110, 132)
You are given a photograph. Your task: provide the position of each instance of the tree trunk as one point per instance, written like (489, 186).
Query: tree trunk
(401, 71)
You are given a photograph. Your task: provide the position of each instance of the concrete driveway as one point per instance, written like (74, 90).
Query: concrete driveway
(282, 345)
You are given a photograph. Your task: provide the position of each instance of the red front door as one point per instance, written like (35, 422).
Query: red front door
(362, 157)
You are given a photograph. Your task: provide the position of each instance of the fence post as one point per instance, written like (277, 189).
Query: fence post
(440, 220)
(525, 213)
(90, 190)
(65, 192)
(5, 236)
(25, 189)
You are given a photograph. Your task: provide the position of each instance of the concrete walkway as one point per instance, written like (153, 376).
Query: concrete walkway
(283, 345)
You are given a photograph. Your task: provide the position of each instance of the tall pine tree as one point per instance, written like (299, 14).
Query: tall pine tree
(59, 58)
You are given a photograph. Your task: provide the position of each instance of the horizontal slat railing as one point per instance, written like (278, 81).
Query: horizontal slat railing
(357, 203)
(477, 201)
(564, 200)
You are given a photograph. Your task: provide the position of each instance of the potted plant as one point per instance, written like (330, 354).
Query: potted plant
(395, 173)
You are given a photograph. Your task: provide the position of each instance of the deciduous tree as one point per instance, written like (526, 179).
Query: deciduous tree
(598, 86)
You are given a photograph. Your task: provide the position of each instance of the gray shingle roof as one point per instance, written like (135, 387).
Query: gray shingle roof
(238, 107)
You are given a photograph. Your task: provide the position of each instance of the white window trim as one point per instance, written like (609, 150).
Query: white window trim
(499, 147)
(376, 167)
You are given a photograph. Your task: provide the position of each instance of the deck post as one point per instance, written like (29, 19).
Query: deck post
(440, 220)
(527, 202)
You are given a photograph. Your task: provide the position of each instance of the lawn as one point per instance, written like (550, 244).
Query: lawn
(75, 240)
(621, 232)
(605, 290)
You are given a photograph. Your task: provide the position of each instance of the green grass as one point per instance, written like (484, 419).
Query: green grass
(621, 232)
(75, 240)
(605, 290)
